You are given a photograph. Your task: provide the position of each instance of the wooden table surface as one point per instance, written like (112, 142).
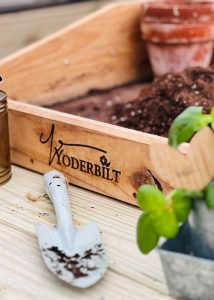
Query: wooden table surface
(131, 276)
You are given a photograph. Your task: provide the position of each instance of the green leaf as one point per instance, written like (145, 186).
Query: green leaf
(166, 223)
(147, 237)
(181, 202)
(150, 198)
(209, 195)
(186, 124)
(212, 116)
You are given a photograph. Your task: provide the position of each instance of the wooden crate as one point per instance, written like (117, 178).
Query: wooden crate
(35, 24)
(102, 51)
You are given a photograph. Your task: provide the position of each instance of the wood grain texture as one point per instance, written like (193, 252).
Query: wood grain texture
(22, 271)
(193, 169)
(127, 151)
(101, 51)
(38, 23)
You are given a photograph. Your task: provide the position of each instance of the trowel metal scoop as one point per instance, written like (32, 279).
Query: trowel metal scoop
(75, 256)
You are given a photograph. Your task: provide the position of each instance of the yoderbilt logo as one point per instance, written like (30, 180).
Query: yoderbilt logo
(57, 154)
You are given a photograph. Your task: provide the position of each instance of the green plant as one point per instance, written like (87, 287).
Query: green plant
(164, 214)
(187, 123)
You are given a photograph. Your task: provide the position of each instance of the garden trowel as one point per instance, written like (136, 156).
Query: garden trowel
(75, 256)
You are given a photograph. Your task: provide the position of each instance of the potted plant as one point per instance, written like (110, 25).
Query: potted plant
(184, 217)
(179, 34)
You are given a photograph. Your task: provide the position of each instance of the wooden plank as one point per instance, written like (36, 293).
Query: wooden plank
(34, 3)
(28, 275)
(137, 276)
(92, 154)
(192, 171)
(102, 51)
(38, 23)
(11, 3)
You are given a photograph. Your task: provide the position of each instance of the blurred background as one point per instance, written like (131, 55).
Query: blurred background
(23, 22)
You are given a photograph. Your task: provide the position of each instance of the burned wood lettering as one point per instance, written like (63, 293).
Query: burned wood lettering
(58, 155)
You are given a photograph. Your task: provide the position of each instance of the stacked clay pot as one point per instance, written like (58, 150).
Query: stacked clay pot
(179, 34)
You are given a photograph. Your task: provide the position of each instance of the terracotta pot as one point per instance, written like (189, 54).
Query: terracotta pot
(178, 35)
(181, 12)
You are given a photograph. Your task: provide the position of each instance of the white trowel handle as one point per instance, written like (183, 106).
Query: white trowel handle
(56, 188)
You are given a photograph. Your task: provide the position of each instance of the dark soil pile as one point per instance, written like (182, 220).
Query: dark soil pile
(159, 103)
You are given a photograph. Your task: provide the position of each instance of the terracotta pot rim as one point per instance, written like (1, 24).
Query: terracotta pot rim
(181, 5)
(178, 33)
(178, 12)
(178, 43)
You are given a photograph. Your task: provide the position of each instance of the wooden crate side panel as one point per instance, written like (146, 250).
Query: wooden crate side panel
(107, 159)
(99, 52)
(36, 24)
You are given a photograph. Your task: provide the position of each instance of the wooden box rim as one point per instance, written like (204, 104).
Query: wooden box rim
(28, 122)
